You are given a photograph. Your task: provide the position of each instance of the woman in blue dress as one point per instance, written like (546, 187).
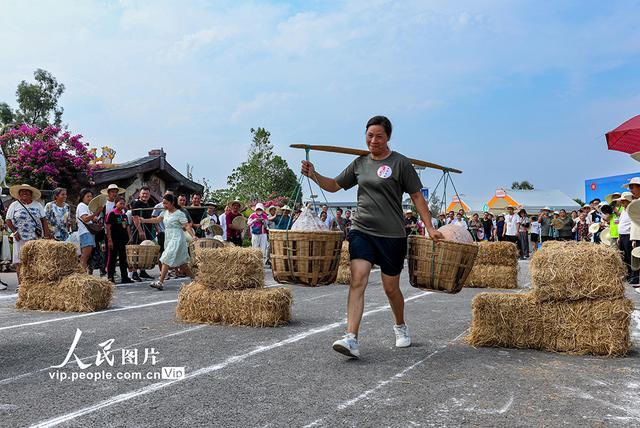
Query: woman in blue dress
(176, 248)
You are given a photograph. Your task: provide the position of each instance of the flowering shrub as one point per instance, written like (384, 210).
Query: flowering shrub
(46, 158)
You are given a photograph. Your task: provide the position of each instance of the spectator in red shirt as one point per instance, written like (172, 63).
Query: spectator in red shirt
(233, 235)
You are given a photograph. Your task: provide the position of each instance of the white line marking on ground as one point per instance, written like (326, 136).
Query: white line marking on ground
(90, 357)
(205, 370)
(398, 375)
(10, 296)
(90, 314)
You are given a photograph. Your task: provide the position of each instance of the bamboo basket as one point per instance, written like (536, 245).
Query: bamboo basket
(307, 258)
(443, 266)
(143, 256)
(203, 243)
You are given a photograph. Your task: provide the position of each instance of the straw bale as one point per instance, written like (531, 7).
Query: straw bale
(344, 270)
(577, 270)
(499, 253)
(599, 327)
(75, 293)
(267, 307)
(46, 260)
(483, 276)
(230, 268)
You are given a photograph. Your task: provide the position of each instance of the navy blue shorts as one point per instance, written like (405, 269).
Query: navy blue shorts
(388, 253)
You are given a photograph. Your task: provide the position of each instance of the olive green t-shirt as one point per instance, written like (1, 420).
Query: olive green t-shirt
(381, 184)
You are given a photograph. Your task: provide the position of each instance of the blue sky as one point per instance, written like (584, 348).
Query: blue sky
(504, 90)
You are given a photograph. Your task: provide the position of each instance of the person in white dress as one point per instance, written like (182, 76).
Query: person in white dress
(176, 248)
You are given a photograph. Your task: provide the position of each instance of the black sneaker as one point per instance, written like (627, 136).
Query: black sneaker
(145, 275)
(127, 280)
(136, 277)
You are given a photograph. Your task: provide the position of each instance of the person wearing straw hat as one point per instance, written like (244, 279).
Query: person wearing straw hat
(111, 192)
(210, 219)
(234, 235)
(284, 220)
(258, 225)
(377, 234)
(26, 219)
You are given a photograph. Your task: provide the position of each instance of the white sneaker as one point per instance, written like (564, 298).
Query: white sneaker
(403, 340)
(348, 346)
(3, 287)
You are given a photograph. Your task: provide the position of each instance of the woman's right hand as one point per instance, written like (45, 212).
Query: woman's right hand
(308, 170)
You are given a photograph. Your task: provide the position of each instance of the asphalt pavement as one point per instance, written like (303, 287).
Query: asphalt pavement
(290, 376)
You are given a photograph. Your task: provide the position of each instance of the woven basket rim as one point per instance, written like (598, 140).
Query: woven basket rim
(315, 232)
(424, 240)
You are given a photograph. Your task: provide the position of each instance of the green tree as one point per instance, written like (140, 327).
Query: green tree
(522, 185)
(37, 102)
(263, 175)
(435, 205)
(579, 201)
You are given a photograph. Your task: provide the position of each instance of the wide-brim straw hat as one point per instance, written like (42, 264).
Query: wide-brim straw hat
(633, 210)
(14, 191)
(557, 223)
(625, 196)
(286, 208)
(634, 180)
(546, 209)
(237, 201)
(605, 237)
(112, 187)
(594, 228)
(612, 197)
(239, 223)
(635, 258)
(97, 203)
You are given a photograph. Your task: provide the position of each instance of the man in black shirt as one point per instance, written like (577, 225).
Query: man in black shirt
(141, 232)
(197, 211)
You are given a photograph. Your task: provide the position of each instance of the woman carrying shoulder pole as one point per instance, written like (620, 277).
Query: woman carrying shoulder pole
(176, 250)
(377, 234)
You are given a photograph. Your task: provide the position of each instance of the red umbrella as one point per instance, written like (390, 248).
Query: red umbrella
(626, 137)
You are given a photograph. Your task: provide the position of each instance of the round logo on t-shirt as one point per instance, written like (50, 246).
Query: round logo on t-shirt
(384, 171)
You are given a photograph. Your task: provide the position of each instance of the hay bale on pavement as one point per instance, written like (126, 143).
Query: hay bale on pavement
(599, 327)
(230, 268)
(344, 270)
(45, 260)
(268, 307)
(577, 270)
(499, 253)
(491, 276)
(75, 293)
